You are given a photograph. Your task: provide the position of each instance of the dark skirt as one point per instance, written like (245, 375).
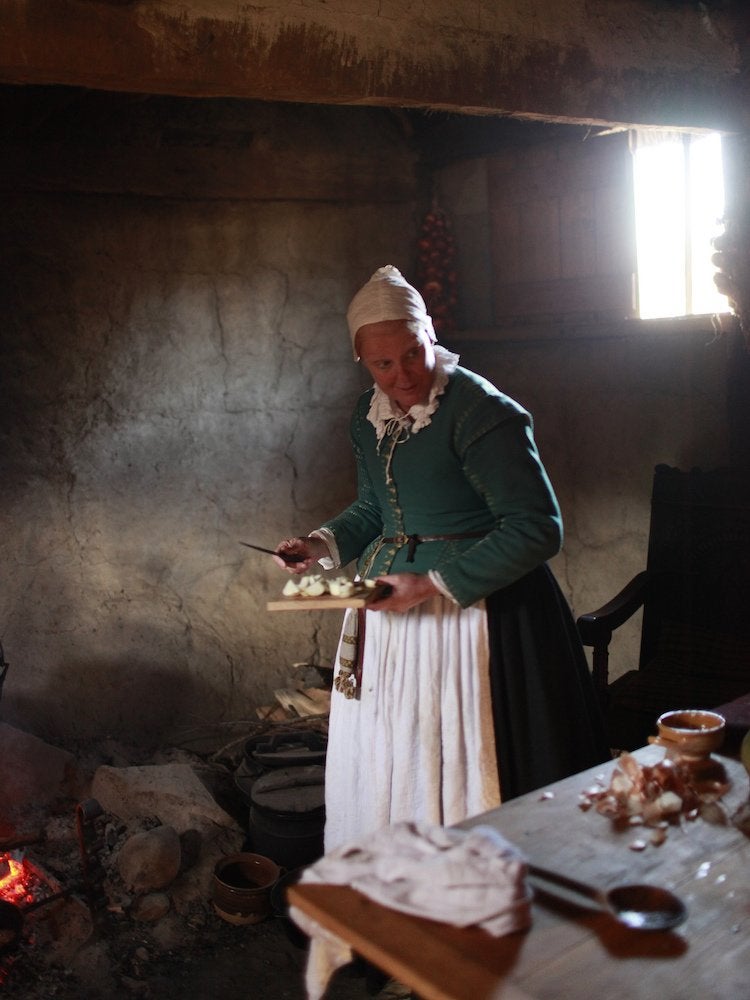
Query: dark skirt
(548, 723)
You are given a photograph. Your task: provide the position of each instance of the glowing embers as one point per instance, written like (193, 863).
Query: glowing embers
(18, 879)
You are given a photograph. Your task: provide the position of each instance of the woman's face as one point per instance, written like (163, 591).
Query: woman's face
(401, 362)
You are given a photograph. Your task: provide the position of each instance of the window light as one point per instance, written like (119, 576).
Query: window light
(679, 203)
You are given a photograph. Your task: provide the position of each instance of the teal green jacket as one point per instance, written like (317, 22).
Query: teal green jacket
(474, 468)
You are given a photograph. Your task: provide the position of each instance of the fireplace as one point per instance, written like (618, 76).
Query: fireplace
(94, 902)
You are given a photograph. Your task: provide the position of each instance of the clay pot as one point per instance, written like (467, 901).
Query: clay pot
(745, 751)
(690, 733)
(241, 887)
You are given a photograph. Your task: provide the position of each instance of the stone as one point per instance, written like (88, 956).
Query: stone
(173, 794)
(93, 965)
(191, 843)
(150, 859)
(170, 792)
(33, 775)
(148, 909)
(62, 929)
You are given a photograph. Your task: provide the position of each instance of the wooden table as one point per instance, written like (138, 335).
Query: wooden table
(571, 950)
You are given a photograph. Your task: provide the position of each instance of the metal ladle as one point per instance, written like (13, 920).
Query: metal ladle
(640, 907)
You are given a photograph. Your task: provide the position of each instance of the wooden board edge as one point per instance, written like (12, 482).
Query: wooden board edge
(316, 603)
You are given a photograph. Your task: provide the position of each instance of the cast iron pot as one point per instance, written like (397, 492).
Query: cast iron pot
(280, 907)
(288, 748)
(11, 919)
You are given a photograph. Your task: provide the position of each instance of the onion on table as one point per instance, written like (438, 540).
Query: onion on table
(316, 585)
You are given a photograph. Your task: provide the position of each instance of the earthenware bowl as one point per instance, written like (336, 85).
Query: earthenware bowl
(691, 733)
(241, 888)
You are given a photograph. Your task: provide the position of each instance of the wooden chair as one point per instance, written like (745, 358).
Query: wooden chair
(695, 595)
(3, 669)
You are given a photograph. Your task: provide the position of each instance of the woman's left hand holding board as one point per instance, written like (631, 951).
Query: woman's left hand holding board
(405, 590)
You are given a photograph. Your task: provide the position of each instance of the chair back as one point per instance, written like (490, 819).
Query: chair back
(697, 608)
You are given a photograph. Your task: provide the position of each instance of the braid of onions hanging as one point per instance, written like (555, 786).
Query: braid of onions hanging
(436, 269)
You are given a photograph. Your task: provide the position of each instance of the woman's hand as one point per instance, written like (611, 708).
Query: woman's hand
(305, 553)
(407, 591)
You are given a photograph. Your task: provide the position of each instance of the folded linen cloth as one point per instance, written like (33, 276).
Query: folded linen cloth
(463, 877)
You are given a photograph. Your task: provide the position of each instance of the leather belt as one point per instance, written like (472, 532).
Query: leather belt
(412, 541)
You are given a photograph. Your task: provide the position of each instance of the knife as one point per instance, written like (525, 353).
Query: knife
(271, 552)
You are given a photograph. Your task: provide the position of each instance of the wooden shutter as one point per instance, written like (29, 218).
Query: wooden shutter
(563, 230)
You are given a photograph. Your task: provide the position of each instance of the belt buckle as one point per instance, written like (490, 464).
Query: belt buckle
(412, 541)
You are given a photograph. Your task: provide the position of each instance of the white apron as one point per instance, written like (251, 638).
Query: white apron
(418, 744)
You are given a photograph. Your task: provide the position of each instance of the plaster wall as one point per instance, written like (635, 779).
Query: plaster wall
(176, 377)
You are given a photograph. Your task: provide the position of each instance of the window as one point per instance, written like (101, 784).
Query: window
(679, 203)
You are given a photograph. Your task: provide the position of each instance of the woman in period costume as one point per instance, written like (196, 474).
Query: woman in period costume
(468, 684)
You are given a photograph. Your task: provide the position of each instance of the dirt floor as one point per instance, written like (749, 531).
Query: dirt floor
(223, 962)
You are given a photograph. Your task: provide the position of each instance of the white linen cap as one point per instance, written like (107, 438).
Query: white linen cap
(388, 295)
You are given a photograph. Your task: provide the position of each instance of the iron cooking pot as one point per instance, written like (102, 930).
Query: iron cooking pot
(287, 815)
(287, 748)
(11, 923)
(11, 919)
(280, 907)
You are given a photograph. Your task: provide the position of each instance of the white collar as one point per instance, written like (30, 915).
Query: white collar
(385, 416)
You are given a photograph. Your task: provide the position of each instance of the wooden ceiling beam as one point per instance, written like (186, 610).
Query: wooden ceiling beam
(636, 62)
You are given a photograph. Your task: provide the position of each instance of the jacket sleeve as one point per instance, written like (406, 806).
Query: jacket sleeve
(500, 459)
(362, 521)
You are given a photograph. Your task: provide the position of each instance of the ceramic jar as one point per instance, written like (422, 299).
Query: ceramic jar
(241, 888)
(690, 734)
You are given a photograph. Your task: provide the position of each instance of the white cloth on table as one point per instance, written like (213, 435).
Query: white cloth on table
(463, 877)
(419, 742)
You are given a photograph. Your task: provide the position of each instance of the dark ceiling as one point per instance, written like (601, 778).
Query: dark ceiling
(60, 113)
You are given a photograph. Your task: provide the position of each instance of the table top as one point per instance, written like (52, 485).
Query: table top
(572, 948)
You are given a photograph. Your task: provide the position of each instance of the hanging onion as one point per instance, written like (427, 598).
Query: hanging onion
(436, 272)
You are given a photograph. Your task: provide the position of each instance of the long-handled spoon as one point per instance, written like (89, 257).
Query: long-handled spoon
(640, 907)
